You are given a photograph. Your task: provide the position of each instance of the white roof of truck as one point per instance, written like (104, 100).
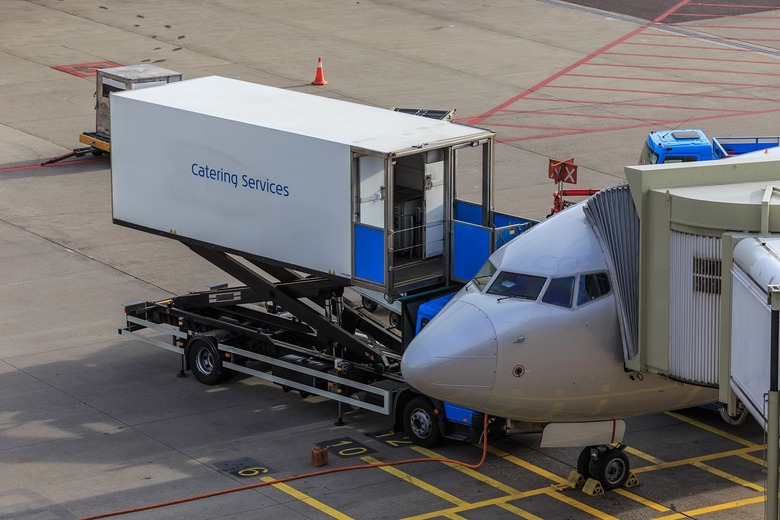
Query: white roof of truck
(370, 128)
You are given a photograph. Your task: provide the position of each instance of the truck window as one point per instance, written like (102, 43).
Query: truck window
(560, 292)
(648, 156)
(592, 286)
(680, 159)
(516, 285)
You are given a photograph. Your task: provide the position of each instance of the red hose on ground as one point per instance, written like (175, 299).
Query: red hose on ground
(296, 477)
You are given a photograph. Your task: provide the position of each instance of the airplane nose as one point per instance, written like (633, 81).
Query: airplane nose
(454, 357)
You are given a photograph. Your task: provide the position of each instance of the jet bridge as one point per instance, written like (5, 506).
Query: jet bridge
(708, 250)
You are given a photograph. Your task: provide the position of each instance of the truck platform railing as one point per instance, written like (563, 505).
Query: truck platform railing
(728, 146)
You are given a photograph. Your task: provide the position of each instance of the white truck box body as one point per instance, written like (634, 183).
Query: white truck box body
(252, 168)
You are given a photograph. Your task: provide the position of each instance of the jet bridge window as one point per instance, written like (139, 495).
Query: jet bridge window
(560, 291)
(516, 285)
(592, 286)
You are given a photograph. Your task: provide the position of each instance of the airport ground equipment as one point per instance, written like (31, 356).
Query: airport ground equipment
(115, 79)
(302, 198)
(691, 145)
(118, 79)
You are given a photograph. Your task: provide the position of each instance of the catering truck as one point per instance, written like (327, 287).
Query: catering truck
(302, 199)
(665, 146)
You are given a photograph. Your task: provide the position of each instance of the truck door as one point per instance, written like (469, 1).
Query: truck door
(434, 203)
(369, 219)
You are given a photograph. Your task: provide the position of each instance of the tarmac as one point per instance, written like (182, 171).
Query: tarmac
(92, 423)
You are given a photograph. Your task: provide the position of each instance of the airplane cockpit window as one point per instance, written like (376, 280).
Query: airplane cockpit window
(484, 275)
(592, 286)
(515, 285)
(560, 291)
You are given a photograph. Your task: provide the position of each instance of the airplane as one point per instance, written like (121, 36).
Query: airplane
(534, 337)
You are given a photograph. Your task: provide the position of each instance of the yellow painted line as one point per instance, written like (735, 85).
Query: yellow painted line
(561, 497)
(481, 504)
(728, 476)
(711, 429)
(701, 458)
(751, 458)
(527, 465)
(642, 500)
(452, 499)
(712, 509)
(643, 455)
(313, 502)
(509, 490)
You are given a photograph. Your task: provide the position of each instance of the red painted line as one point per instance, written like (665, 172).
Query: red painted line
(666, 80)
(586, 59)
(628, 127)
(691, 58)
(555, 113)
(575, 129)
(741, 16)
(36, 166)
(640, 105)
(638, 91)
(721, 38)
(745, 27)
(735, 6)
(688, 69)
(700, 47)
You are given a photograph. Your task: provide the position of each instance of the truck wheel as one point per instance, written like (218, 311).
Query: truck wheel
(421, 424)
(395, 320)
(205, 360)
(369, 305)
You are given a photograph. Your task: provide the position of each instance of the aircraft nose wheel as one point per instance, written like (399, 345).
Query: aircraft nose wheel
(609, 465)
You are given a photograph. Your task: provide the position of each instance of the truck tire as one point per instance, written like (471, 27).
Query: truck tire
(205, 361)
(395, 320)
(369, 305)
(421, 424)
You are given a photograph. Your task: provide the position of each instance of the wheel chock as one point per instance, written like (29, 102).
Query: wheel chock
(593, 488)
(573, 481)
(631, 481)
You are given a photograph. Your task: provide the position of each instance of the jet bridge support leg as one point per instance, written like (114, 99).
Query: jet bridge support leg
(773, 411)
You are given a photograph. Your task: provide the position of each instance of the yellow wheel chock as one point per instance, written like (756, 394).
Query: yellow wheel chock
(631, 481)
(593, 488)
(573, 481)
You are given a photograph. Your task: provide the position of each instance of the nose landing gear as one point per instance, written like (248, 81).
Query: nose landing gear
(607, 464)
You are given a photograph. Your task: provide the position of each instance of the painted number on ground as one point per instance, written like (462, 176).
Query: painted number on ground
(346, 447)
(393, 439)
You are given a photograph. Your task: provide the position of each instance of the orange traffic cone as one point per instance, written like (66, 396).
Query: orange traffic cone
(319, 78)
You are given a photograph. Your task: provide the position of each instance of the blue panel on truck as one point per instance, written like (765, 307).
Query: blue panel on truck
(369, 254)
(459, 414)
(428, 310)
(471, 247)
(468, 212)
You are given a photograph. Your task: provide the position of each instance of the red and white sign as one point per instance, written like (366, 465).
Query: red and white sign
(562, 171)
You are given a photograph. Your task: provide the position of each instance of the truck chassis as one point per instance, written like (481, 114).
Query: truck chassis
(297, 331)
